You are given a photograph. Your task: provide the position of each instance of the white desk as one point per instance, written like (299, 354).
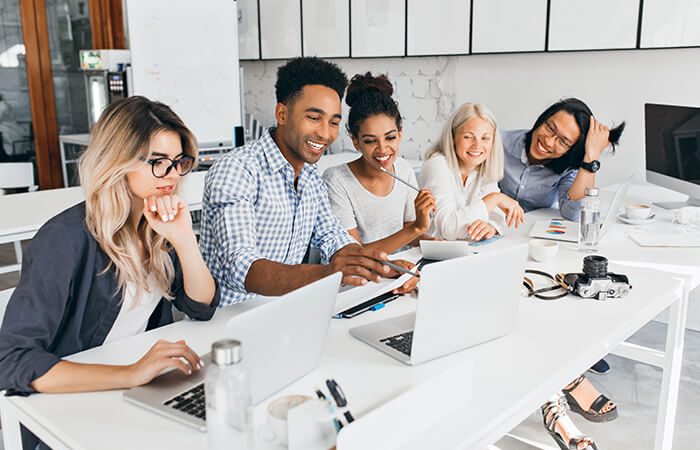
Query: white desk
(23, 214)
(502, 381)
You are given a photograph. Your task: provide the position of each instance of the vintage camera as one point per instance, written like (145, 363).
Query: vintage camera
(596, 282)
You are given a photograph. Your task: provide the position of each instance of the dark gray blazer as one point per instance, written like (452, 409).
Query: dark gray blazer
(65, 304)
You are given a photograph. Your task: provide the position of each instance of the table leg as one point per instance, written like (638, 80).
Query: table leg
(670, 381)
(10, 428)
(18, 251)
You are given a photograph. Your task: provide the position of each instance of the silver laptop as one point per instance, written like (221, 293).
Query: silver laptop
(567, 231)
(282, 340)
(462, 302)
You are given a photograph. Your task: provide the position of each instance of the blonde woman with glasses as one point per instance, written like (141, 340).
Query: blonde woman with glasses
(462, 170)
(112, 266)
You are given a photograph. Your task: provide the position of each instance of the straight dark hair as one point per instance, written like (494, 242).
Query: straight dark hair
(573, 158)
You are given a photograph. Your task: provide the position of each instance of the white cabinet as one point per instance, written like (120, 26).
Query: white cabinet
(378, 28)
(501, 26)
(593, 24)
(248, 31)
(670, 23)
(438, 27)
(280, 29)
(326, 28)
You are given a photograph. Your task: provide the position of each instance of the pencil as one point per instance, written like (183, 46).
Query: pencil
(399, 179)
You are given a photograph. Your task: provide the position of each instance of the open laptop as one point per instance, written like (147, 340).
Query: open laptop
(282, 341)
(564, 230)
(462, 302)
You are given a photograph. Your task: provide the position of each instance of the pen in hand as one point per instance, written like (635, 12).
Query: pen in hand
(397, 268)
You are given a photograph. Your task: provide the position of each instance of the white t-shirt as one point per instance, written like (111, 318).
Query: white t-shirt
(458, 205)
(374, 216)
(133, 318)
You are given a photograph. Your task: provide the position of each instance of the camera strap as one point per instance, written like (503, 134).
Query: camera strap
(539, 292)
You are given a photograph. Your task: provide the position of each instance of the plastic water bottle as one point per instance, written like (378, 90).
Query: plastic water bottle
(228, 397)
(589, 225)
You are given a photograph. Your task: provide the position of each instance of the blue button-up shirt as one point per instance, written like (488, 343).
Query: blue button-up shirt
(252, 210)
(535, 185)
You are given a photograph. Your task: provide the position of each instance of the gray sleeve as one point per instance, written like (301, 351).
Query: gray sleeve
(569, 209)
(37, 307)
(339, 199)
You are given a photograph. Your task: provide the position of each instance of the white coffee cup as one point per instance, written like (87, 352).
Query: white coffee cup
(542, 250)
(312, 426)
(637, 211)
(275, 428)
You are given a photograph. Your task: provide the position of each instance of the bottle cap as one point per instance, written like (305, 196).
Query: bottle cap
(592, 191)
(226, 352)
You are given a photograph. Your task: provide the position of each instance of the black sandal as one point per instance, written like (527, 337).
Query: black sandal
(594, 412)
(554, 410)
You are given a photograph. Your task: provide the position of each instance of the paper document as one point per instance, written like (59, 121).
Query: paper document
(665, 239)
(354, 296)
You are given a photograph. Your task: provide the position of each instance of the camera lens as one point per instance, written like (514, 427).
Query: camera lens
(595, 266)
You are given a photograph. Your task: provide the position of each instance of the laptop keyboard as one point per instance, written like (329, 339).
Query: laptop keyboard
(190, 402)
(401, 342)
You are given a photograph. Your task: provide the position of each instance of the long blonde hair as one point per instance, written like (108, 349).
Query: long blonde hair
(119, 144)
(490, 170)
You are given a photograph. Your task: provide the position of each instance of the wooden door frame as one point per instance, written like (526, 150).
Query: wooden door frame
(107, 28)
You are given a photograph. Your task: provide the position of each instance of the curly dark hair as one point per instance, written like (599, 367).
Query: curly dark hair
(369, 96)
(299, 72)
(582, 114)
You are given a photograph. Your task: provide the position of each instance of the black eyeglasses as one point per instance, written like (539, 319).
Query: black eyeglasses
(559, 141)
(161, 167)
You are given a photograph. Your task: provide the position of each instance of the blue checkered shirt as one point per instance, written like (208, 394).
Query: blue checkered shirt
(251, 210)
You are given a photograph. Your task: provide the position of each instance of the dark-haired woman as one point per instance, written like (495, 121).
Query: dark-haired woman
(377, 210)
(553, 163)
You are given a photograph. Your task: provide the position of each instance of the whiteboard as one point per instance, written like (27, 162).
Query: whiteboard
(326, 28)
(670, 23)
(378, 28)
(438, 27)
(177, 60)
(248, 31)
(508, 25)
(280, 29)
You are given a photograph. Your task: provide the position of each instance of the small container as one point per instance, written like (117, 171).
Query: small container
(590, 221)
(228, 398)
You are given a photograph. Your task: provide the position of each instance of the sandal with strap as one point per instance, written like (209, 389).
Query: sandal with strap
(552, 412)
(595, 411)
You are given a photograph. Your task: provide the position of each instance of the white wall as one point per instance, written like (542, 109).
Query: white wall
(517, 87)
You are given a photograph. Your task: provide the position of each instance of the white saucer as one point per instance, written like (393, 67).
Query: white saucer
(623, 217)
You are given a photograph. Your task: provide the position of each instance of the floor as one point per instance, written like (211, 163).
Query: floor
(634, 386)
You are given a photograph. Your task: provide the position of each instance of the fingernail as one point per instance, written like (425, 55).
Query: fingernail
(172, 216)
(164, 218)
(363, 282)
(201, 363)
(189, 371)
(386, 268)
(153, 208)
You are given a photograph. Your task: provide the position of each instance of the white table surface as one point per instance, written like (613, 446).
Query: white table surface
(23, 214)
(465, 400)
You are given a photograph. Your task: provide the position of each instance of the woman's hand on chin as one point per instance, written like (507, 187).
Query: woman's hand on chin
(169, 217)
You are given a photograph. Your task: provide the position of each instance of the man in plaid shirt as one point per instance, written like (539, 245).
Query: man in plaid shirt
(265, 203)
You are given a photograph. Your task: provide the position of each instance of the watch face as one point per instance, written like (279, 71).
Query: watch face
(592, 166)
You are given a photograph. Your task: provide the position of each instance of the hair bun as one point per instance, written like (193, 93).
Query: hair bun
(367, 84)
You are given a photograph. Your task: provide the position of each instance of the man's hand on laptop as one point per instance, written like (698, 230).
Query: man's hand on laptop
(163, 355)
(359, 264)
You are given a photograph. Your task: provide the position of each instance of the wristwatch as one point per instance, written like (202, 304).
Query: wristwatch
(592, 166)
